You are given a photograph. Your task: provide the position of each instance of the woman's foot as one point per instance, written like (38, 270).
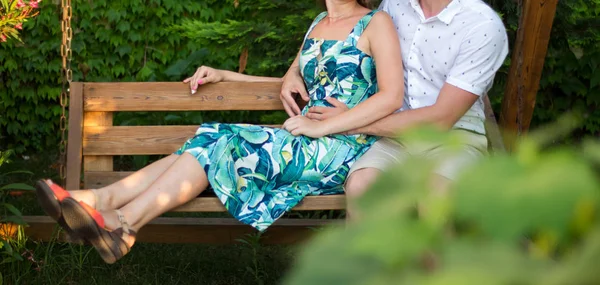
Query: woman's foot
(90, 224)
(50, 197)
(91, 197)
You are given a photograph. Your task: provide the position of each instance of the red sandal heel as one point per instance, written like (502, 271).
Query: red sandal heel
(50, 196)
(88, 223)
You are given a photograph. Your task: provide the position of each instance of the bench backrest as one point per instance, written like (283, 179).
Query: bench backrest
(93, 140)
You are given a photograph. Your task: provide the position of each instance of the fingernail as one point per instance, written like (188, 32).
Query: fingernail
(199, 81)
(193, 91)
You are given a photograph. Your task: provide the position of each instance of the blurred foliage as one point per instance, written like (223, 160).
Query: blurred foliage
(11, 219)
(526, 218)
(163, 40)
(13, 13)
(571, 75)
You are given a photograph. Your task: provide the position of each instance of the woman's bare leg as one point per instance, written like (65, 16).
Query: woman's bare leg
(123, 191)
(181, 182)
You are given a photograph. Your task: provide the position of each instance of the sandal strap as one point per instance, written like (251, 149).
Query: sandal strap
(124, 224)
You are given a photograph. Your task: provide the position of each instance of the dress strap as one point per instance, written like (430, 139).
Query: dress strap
(360, 28)
(314, 23)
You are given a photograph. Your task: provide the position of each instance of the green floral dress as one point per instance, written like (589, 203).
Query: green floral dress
(259, 173)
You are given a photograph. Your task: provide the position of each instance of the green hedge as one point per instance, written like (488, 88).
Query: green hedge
(156, 40)
(571, 76)
(130, 41)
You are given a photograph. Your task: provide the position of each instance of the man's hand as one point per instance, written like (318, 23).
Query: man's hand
(324, 113)
(203, 75)
(292, 84)
(301, 125)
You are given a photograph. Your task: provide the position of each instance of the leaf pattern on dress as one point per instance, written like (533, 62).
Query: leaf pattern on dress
(260, 173)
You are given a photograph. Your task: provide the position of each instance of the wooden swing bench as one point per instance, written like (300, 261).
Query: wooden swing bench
(93, 141)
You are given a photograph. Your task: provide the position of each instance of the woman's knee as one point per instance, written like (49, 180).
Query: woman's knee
(359, 181)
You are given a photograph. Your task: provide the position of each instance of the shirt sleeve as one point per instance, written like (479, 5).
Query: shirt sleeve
(481, 54)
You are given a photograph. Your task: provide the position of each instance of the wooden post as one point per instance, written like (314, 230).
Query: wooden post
(526, 67)
(75, 134)
(97, 162)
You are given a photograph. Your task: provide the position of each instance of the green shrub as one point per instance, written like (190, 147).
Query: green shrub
(112, 41)
(12, 234)
(571, 75)
(527, 218)
(159, 40)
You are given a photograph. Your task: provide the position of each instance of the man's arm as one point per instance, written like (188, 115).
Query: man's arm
(385, 49)
(450, 106)
(293, 84)
(482, 53)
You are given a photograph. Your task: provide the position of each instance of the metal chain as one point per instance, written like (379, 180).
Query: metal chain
(67, 78)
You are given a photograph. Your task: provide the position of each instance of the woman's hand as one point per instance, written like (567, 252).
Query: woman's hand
(292, 84)
(203, 75)
(300, 125)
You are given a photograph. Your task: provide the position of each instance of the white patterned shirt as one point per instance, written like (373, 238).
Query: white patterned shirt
(464, 45)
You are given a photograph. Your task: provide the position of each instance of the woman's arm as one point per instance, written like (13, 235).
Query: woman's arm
(205, 74)
(231, 76)
(385, 48)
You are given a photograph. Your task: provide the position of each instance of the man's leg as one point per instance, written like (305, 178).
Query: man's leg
(452, 162)
(387, 152)
(356, 185)
(440, 184)
(382, 154)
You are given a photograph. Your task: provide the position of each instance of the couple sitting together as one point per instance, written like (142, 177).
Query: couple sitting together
(366, 75)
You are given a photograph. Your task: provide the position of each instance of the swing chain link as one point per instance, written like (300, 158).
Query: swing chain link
(67, 77)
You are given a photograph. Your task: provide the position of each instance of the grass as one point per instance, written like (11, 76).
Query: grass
(52, 262)
(61, 263)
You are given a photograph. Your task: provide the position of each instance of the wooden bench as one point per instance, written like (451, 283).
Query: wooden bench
(93, 141)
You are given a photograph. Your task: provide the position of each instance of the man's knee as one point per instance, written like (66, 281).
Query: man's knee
(359, 181)
(440, 184)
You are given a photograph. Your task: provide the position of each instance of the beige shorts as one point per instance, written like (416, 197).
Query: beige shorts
(450, 161)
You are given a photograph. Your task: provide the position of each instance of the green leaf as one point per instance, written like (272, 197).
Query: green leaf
(17, 186)
(595, 79)
(12, 209)
(17, 220)
(514, 199)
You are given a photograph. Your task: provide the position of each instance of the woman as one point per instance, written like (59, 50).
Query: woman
(258, 173)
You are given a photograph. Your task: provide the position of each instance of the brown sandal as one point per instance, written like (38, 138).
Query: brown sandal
(88, 223)
(50, 197)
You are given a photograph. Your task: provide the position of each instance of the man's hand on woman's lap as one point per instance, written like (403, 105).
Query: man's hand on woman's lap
(323, 113)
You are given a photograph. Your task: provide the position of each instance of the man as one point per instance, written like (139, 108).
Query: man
(451, 50)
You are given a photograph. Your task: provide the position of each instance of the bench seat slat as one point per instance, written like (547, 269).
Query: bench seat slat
(309, 203)
(175, 96)
(136, 140)
(98, 179)
(198, 230)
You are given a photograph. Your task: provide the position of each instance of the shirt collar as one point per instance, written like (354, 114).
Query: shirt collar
(446, 15)
(450, 11)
